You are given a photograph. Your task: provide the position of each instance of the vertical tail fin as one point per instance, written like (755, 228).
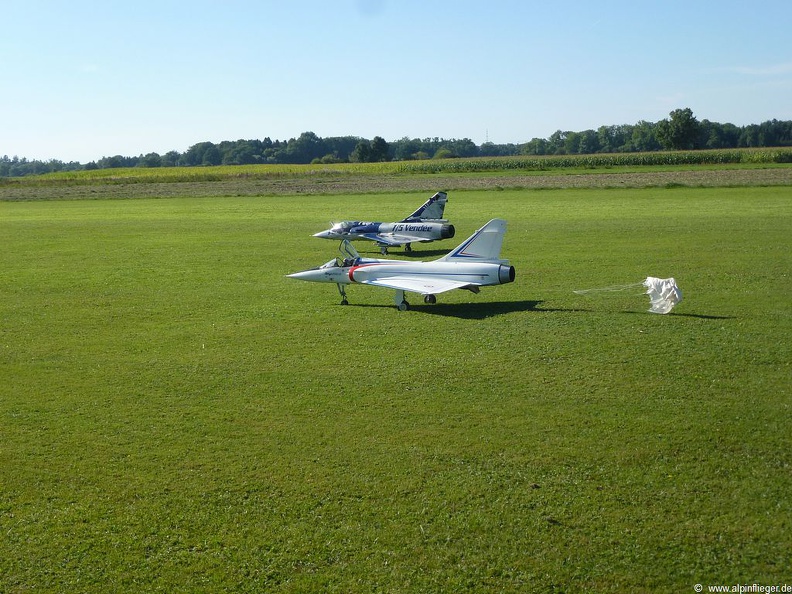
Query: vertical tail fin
(484, 245)
(431, 209)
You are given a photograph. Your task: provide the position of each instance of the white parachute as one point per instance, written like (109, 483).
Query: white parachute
(663, 293)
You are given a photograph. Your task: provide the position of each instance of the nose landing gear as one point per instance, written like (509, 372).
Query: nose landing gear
(342, 292)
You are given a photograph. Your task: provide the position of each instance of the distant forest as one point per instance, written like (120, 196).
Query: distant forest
(680, 131)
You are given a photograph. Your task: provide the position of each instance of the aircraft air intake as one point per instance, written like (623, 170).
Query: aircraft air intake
(505, 274)
(447, 231)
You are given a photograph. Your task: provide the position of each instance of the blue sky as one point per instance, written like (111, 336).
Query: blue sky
(82, 79)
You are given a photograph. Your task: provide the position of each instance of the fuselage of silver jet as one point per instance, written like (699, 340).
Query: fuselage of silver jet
(473, 264)
(425, 224)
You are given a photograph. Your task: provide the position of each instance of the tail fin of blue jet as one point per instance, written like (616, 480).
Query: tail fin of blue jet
(431, 209)
(483, 246)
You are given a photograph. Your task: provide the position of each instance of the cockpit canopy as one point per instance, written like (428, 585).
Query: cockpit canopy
(347, 254)
(341, 227)
(345, 226)
(354, 227)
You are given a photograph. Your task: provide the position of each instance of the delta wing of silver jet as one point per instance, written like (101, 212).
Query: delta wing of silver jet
(425, 224)
(473, 264)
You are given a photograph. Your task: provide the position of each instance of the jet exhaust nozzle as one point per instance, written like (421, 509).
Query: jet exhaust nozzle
(506, 274)
(447, 231)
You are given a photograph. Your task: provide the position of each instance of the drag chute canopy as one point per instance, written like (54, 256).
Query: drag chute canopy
(663, 293)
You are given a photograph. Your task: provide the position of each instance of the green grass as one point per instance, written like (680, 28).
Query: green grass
(177, 416)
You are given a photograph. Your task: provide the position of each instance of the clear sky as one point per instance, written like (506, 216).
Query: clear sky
(81, 80)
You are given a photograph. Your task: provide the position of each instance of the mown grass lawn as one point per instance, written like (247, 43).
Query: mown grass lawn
(177, 416)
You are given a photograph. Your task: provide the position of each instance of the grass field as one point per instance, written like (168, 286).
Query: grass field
(177, 416)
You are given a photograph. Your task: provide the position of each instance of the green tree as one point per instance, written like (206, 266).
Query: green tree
(680, 132)
(196, 154)
(613, 139)
(749, 136)
(556, 143)
(340, 146)
(212, 156)
(150, 160)
(305, 148)
(242, 152)
(362, 152)
(406, 148)
(170, 159)
(536, 146)
(572, 143)
(113, 162)
(464, 148)
(379, 150)
(643, 137)
(490, 149)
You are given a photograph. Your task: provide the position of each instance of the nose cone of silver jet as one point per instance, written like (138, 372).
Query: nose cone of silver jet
(314, 274)
(325, 234)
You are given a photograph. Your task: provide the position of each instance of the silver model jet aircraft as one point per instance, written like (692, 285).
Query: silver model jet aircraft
(425, 224)
(475, 263)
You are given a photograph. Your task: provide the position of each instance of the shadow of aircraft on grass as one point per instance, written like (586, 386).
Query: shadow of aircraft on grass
(685, 315)
(703, 316)
(482, 310)
(412, 255)
(476, 311)
(467, 311)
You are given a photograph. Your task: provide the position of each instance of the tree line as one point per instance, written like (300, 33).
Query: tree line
(680, 131)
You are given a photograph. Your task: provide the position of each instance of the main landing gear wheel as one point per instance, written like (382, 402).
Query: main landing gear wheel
(399, 301)
(407, 247)
(430, 299)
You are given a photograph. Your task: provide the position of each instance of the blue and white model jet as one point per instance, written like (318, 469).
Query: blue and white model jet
(475, 263)
(425, 224)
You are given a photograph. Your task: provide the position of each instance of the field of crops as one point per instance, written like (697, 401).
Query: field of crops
(177, 416)
(560, 164)
(368, 179)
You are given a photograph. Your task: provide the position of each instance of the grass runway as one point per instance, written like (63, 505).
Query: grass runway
(177, 416)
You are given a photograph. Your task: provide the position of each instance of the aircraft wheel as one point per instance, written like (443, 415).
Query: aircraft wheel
(403, 306)
(344, 302)
(408, 248)
(430, 299)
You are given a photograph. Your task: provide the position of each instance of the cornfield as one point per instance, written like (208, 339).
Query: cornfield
(653, 159)
(433, 166)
